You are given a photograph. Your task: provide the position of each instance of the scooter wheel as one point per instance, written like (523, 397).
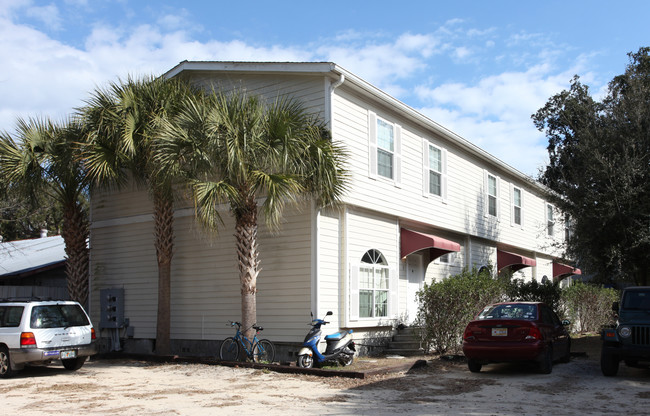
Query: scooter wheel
(305, 361)
(346, 358)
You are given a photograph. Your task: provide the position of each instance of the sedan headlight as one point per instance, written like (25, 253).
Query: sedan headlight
(625, 331)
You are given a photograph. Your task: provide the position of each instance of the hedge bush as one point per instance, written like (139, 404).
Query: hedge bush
(588, 307)
(446, 306)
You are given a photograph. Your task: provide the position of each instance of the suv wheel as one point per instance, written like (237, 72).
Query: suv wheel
(5, 363)
(73, 364)
(608, 364)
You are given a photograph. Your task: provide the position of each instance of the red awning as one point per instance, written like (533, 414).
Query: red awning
(514, 261)
(412, 241)
(560, 269)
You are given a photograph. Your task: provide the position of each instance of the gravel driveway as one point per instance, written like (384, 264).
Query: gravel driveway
(123, 387)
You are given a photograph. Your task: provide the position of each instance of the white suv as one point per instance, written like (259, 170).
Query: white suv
(34, 331)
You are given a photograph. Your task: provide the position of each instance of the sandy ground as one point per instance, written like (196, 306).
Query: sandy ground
(124, 387)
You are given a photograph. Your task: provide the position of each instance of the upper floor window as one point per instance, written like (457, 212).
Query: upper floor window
(373, 285)
(550, 220)
(435, 170)
(492, 193)
(434, 165)
(517, 206)
(384, 148)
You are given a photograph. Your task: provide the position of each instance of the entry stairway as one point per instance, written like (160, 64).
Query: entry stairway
(406, 341)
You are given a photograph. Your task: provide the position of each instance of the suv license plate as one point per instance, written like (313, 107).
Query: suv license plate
(499, 332)
(68, 354)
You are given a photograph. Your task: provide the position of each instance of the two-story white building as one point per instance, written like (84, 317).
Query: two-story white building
(423, 203)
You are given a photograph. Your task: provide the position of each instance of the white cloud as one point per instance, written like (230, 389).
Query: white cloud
(49, 15)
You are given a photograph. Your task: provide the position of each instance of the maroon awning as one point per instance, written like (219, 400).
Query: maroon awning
(560, 269)
(514, 261)
(412, 241)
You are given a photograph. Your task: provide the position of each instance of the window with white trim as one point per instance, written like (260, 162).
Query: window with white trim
(550, 220)
(492, 192)
(435, 170)
(385, 149)
(517, 213)
(373, 285)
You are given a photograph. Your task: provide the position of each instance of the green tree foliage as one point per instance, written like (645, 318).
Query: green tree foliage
(448, 305)
(599, 170)
(22, 218)
(43, 158)
(255, 156)
(589, 307)
(533, 291)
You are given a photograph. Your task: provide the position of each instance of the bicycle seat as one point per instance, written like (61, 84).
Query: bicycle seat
(258, 328)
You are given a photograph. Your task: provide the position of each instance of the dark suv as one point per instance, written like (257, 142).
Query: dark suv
(629, 339)
(36, 331)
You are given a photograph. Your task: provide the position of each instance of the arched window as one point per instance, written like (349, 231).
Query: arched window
(373, 285)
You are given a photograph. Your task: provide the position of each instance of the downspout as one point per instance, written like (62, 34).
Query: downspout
(316, 227)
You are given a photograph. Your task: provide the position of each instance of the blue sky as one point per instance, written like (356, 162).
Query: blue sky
(480, 68)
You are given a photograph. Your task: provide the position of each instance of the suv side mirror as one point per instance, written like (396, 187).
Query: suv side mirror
(615, 306)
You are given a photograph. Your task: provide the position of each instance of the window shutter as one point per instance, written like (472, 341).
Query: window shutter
(444, 175)
(393, 293)
(425, 168)
(522, 208)
(398, 156)
(372, 144)
(486, 198)
(353, 295)
(498, 179)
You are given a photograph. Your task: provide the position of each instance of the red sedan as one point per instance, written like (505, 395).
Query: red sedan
(516, 331)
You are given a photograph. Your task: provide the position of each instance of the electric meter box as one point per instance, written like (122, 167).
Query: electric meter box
(111, 302)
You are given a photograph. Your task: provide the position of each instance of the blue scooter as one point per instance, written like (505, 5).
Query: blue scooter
(340, 347)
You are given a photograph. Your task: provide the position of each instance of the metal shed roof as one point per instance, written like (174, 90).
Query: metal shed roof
(24, 256)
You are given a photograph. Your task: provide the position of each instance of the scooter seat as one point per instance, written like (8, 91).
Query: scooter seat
(335, 337)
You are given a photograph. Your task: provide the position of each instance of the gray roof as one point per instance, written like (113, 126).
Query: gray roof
(24, 256)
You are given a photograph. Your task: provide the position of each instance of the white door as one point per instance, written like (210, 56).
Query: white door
(415, 276)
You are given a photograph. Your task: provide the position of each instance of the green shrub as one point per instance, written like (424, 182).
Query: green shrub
(446, 306)
(533, 291)
(588, 306)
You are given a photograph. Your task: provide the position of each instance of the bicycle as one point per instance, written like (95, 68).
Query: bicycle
(257, 350)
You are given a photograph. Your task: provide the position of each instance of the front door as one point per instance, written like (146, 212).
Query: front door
(415, 276)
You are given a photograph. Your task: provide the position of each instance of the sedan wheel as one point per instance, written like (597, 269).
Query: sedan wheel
(546, 363)
(474, 366)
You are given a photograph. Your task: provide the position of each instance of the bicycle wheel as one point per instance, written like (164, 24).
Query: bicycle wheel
(229, 350)
(264, 351)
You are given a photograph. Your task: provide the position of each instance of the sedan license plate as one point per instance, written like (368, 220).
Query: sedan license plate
(499, 332)
(68, 354)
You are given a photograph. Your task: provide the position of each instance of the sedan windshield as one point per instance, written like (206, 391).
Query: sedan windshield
(58, 316)
(509, 311)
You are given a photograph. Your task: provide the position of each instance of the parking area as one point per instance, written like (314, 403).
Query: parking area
(129, 387)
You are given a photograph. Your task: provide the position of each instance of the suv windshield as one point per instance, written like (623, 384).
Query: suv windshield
(511, 311)
(58, 316)
(637, 300)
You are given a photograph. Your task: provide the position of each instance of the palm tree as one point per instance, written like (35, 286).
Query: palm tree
(253, 155)
(124, 122)
(45, 159)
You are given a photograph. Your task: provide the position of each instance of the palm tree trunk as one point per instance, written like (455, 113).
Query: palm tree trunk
(164, 235)
(249, 266)
(75, 235)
